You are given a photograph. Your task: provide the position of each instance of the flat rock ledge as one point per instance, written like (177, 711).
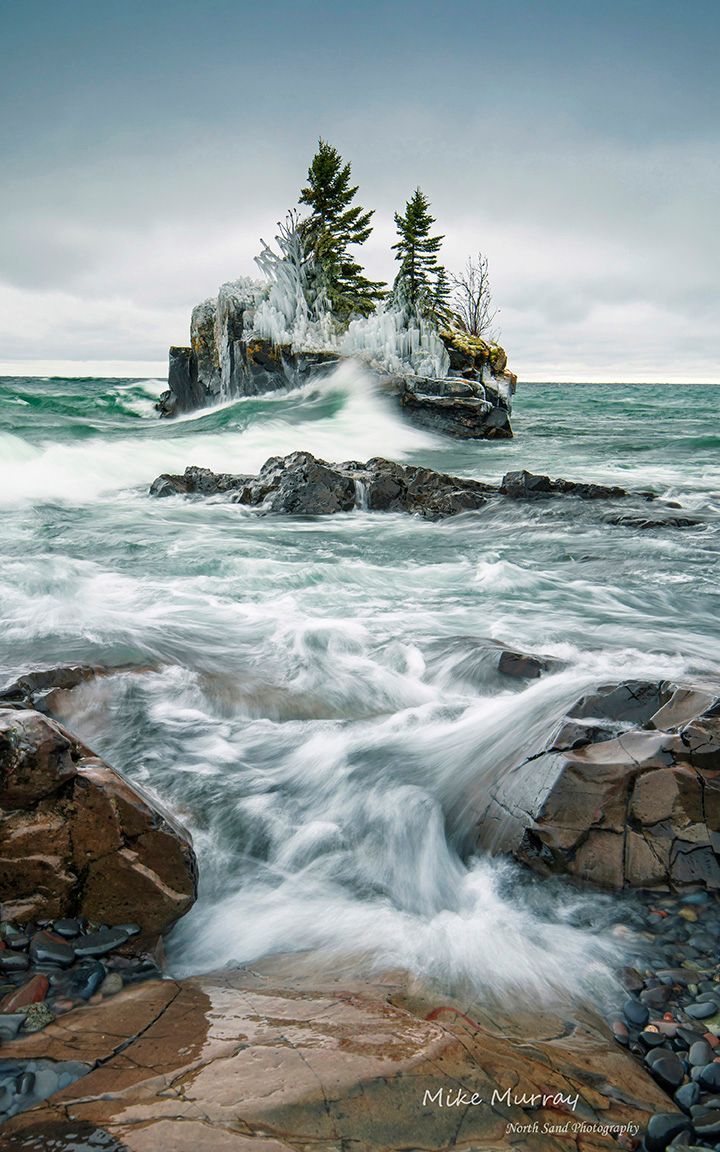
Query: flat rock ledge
(274, 1058)
(76, 837)
(625, 794)
(301, 484)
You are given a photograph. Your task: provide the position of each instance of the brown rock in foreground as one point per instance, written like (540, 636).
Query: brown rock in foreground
(626, 794)
(273, 1059)
(76, 838)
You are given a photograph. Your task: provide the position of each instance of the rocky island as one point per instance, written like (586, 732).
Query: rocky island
(426, 341)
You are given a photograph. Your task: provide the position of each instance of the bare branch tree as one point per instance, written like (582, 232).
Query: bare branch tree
(471, 301)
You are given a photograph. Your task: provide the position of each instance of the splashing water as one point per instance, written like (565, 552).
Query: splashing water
(315, 708)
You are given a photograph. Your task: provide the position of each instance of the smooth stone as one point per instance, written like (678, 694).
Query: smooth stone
(17, 940)
(656, 997)
(10, 1024)
(636, 1013)
(652, 1054)
(111, 985)
(129, 929)
(700, 1053)
(13, 961)
(100, 943)
(652, 1039)
(700, 1011)
(686, 1096)
(87, 979)
(68, 928)
(45, 947)
(31, 993)
(709, 1077)
(708, 1125)
(668, 1071)
(662, 1128)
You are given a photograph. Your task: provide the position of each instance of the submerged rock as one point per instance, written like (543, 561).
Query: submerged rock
(77, 838)
(625, 794)
(300, 484)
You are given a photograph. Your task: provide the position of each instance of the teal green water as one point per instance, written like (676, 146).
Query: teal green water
(307, 707)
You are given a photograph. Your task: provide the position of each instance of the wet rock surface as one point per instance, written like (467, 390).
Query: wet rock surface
(78, 840)
(284, 1057)
(670, 1020)
(61, 971)
(226, 359)
(625, 794)
(300, 484)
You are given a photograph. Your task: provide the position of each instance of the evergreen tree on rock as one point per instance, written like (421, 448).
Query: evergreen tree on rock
(333, 225)
(421, 285)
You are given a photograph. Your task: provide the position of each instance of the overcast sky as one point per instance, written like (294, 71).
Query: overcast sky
(146, 147)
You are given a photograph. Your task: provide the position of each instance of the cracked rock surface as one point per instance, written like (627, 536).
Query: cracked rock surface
(627, 794)
(77, 839)
(277, 1057)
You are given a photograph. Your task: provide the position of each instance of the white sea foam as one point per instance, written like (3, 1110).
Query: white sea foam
(366, 424)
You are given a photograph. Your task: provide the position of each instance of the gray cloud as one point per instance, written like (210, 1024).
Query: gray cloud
(148, 151)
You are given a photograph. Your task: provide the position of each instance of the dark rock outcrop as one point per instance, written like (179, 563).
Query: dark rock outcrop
(526, 485)
(627, 793)
(76, 838)
(185, 391)
(226, 358)
(301, 485)
(457, 407)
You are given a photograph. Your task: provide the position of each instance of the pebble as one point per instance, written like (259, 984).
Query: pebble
(652, 1039)
(113, 983)
(662, 1128)
(87, 978)
(100, 943)
(10, 1024)
(709, 1077)
(68, 928)
(30, 993)
(700, 1053)
(700, 1011)
(708, 1125)
(687, 1095)
(13, 961)
(46, 946)
(668, 1071)
(636, 1013)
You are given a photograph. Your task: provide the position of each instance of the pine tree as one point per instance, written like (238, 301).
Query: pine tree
(333, 225)
(421, 285)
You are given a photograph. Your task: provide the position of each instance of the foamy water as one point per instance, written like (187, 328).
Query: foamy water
(315, 708)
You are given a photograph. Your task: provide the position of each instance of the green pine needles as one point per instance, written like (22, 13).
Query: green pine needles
(333, 226)
(421, 285)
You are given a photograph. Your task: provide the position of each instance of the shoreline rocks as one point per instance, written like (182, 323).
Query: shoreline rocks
(302, 485)
(306, 1056)
(626, 794)
(77, 839)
